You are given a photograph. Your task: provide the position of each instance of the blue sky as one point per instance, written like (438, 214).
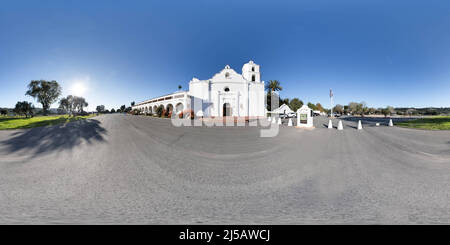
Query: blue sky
(381, 52)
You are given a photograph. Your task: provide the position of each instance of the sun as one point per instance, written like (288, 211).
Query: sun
(78, 89)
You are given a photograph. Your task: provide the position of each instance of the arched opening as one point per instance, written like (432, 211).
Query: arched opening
(169, 110)
(179, 108)
(226, 110)
(253, 68)
(253, 78)
(150, 110)
(160, 110)
(226, 89)
(155, 109)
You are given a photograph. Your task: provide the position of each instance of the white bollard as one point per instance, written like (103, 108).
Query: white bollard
(390, 123)
(273, 120)
(279, 121)
(340, 126)
(269, 119)
(359, 125)
(290, 122)
(330, 124)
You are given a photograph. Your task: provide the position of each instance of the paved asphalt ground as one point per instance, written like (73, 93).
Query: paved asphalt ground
(135, 169)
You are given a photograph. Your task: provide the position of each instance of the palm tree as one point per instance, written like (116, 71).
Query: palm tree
(179, 87)
(274, 85)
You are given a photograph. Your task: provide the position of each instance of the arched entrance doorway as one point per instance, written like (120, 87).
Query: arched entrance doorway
(226, 110)
(169, 110)
(179, 107)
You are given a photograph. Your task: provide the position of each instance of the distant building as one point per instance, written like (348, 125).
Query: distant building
(227, 93)
(283, 109)
(319, 113)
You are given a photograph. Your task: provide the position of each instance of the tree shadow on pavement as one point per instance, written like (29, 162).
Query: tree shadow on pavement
(366, 121)
(43, 140)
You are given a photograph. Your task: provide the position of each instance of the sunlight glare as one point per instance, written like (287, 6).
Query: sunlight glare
(78, 89)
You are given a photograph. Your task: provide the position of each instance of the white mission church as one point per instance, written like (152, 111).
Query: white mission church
(227, 93)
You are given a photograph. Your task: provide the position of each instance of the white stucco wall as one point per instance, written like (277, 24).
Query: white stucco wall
(245, 96)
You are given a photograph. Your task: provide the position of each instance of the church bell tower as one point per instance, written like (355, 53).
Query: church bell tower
(250, 71)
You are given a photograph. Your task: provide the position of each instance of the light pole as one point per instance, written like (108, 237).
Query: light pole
(331, 102)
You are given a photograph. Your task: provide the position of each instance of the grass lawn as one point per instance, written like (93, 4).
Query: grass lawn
(38, 121)
(433, 123)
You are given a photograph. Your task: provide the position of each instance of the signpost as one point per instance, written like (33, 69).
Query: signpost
(304, 117)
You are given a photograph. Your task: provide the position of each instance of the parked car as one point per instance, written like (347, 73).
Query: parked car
(288, 115)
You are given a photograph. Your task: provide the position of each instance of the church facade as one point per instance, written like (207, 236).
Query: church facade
(227, 93)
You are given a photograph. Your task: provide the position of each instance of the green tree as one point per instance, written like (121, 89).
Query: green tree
(295, 104)
(4, 112)
(339, 109)
(274, 85)
(136, 111)
(269, 98)
(179, 87)
(365, 109)
(319, 107)
(66, 104)
(100, 108)
(24, 108)
(312, 106)
(353, 107)
(122, 108)
(411, 111)
(387, 111)
(46, 92)
(271, 87)
(79, 103)
(113, 111)
(159, 110)
(346, 109)
(361, 109)
(72, 103)
(132, 103)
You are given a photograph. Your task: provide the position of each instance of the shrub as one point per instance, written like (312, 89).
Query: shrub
(24, 108)
(159, 111)
(3, 112)
(81, 113)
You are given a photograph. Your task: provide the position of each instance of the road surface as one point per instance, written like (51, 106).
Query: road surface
(142, 170)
